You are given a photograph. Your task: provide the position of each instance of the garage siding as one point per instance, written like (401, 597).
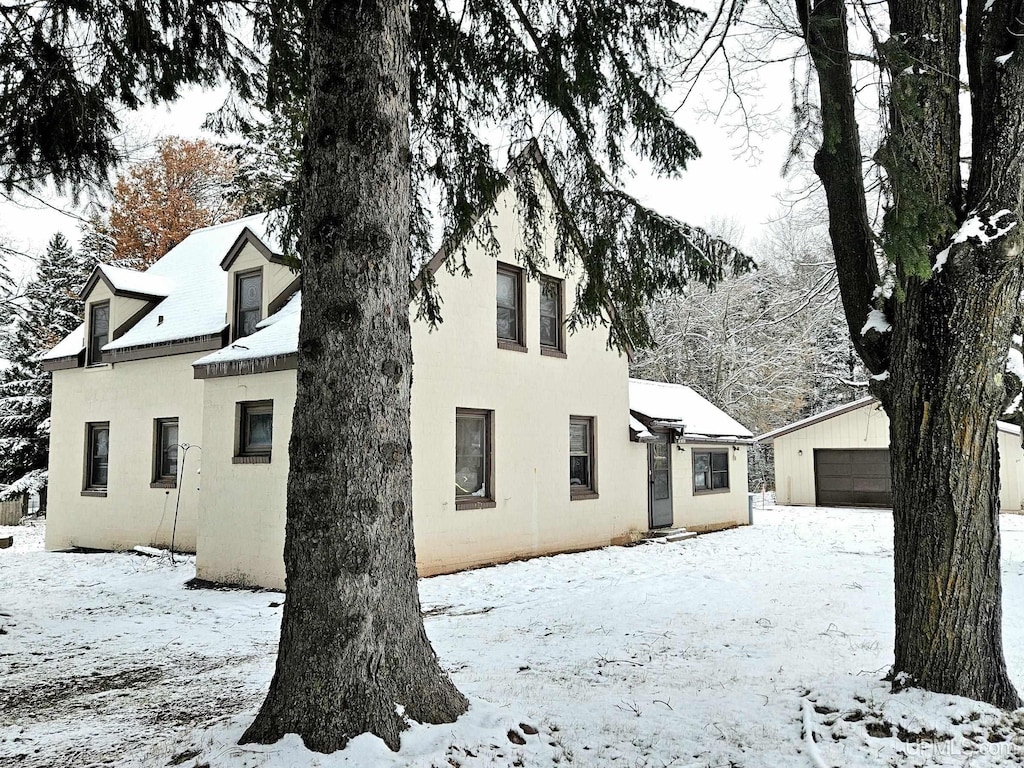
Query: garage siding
(867, 428)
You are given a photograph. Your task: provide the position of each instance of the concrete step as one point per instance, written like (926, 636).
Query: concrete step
(668, 535)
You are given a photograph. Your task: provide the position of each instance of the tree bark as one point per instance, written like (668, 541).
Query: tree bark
(939, 370)
(945, 393)
(353, 656)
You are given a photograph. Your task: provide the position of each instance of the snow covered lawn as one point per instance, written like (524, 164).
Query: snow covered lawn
(756, 647)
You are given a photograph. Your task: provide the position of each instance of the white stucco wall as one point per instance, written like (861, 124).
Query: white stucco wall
(241, 525)
(130, 396)
(868, 427)
(459, 365)
(706, 511)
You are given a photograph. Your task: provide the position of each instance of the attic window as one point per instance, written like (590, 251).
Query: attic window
(99, 331)
(510, 308)
(248, 302)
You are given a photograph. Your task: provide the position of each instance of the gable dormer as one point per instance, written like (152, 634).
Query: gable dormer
(116, 299)
(259, 283)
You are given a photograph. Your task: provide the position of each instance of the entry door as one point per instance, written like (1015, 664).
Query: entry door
(659, 472)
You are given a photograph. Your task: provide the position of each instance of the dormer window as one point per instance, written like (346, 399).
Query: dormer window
(248, 302)
(99, 331)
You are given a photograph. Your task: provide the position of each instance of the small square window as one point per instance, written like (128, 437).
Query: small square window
(99, 331)
(510, 308)
(248, 302)
(710, 471)
(165, 453)
(255, 430)
(551, 315)
(473, 459)
(582, 458)
(97, 455)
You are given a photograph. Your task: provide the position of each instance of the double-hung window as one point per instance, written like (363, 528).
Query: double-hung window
(97, 453)
(99, 331)
(255, 432)
(510, 308)
(710, 471)
(582, 458)
(165, 453)
(248, 302)
(473, 459)
(551, 316)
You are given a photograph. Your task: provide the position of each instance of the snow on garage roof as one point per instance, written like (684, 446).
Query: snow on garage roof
(828, 414)
(839, 410)
(679, 406)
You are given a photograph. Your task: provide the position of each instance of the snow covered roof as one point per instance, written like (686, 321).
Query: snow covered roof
(827, 414)
(277, 335)
(69, 346)
(128, 281)
(642, 433)
(678, 406)
(188, 283)
(196, 305)
(1002, 426)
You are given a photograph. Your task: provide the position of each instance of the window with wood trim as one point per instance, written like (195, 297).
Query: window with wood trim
(99, 331)
(255, 429)
(710, 471)
(248, 302)
(582, 457)
(165, 452)
(552, 315)
(510, 308)
(474, 465)
(97, 455)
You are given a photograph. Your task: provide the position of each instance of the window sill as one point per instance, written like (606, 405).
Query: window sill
(163, 484)
(583, 495)
(475, 504)
(251, 459)
(710, 492)
(552, 352)
(511, 346)
(95, 492)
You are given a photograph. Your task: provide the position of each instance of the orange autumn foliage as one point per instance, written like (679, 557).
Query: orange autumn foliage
(160, 201)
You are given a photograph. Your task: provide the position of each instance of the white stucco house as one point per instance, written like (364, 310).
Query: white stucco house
(840, 457)
(172, 409)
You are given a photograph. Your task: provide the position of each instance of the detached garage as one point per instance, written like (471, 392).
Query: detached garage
(840, 458)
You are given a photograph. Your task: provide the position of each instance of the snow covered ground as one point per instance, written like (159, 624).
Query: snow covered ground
(757, 647)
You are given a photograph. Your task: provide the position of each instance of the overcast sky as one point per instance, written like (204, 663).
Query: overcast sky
(722, 184)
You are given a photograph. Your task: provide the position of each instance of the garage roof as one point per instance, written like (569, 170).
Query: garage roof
(847, 408)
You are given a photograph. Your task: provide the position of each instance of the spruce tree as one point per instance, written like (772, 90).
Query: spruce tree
(49, 310)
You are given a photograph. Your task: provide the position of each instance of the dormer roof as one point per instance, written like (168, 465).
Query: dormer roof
(128, 283)
(267, 246)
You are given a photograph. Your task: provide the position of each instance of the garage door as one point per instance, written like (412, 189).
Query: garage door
(852, 478)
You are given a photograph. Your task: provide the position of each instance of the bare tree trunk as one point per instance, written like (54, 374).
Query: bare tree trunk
(353, 652)
(939, 371)
(944, 397)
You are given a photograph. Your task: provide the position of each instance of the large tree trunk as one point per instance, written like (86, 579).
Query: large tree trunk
(939, 369)
(943, 398)
(353, 652)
